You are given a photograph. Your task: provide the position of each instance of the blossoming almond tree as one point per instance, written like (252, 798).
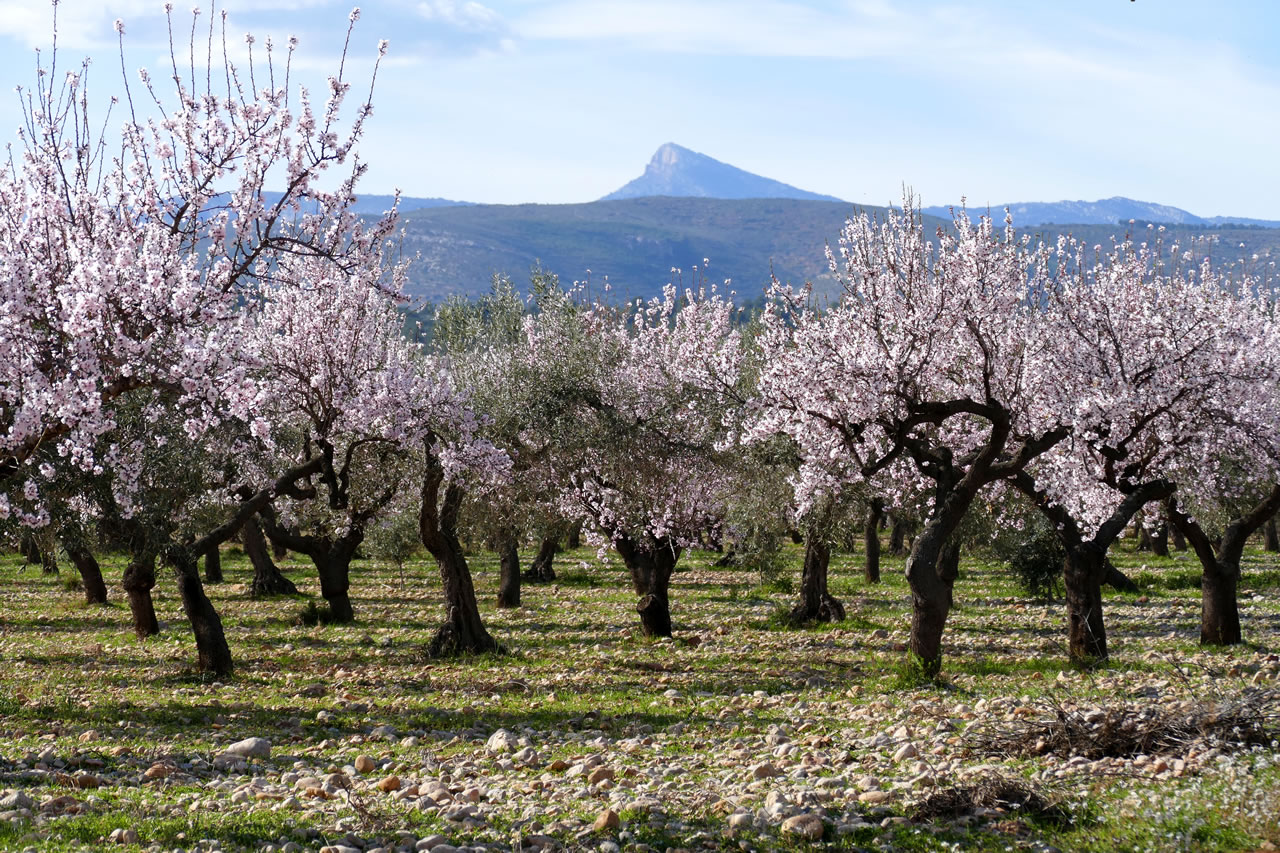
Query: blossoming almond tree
(633, 401)
(922, 379)
(125, 255)
(1147, 348)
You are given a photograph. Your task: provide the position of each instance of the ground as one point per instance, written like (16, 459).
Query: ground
(741, 733)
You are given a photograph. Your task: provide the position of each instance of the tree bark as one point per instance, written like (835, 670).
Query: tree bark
(898, 536)
(509, 583)
(651, 562)
(816, 603)
(279, 551)
(334, 570)
(95, 588)
(213, 655)
(1082, 576)
(29, 549)
(1160, 541)
(1270, 537)
(463, 631)
(139, 577)
(213, 565)
(871, 537)
(267, 578)
(542, 570)
(1219, 605)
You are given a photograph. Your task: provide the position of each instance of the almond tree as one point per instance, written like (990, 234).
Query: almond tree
(1148, 349)
(631, 406)
(125, 255)
(921, 380)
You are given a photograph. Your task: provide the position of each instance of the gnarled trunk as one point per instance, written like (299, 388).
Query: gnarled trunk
(1270, 538)
(509, 573)
(1117, 579)
(871, 541)
(213, 655)
(573, 540)
(1220, 567)
(463, 631)
(816, 603)
(213, 565)
(267, 578)
(1083, 574)
(651, 562)
(542, 569)
(95, 588)
(1219, 606)
(138, 580)
(931, 596)
(334, 570)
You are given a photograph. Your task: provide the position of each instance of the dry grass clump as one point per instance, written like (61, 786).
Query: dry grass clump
(1127, 729)
(1014, 796)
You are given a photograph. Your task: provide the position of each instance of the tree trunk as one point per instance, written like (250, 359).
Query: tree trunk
(931, 596)
(1179, 541)
(267, 579)
(796, 538)
(213, 655)
(509, 583)
(29, 549)
(1082, 576)
(898, 537)
(542, 571)
(334, 569)
(139, 577)
(1144, 538)
(1219, 608)
(651, 563)
(95, 589)
(279, 551)
(463, 631)
(816, 603)
(573, 540)
(1160, 541)
(213, 565)
(1270, 538)
(48, 551)
(871, 537)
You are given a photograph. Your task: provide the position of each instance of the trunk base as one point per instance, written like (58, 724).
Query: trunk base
(655, 616)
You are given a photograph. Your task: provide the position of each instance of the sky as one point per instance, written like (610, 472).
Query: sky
(553, 101)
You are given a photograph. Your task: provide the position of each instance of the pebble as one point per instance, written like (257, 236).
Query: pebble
(608, 819)
(389, 784)
(364, 764)
(251, 747)
(807, 826)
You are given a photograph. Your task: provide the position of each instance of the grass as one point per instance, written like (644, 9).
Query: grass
(580, 679)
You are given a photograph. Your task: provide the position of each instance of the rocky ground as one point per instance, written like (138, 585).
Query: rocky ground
(740, 733)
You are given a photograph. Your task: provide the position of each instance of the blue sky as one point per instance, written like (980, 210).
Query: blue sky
(565, 100)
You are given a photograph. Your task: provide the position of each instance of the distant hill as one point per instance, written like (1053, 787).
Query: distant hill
(1106, 211)
(634, 243)
(677, 171)
(375, 205)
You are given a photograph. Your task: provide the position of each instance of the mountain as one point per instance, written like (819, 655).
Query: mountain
(1107, 211)
(634, 243)
(679, 172)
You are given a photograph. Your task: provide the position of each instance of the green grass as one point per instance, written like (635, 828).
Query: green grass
(580, 678)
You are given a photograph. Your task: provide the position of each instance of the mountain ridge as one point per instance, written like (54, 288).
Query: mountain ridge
(679, 172)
